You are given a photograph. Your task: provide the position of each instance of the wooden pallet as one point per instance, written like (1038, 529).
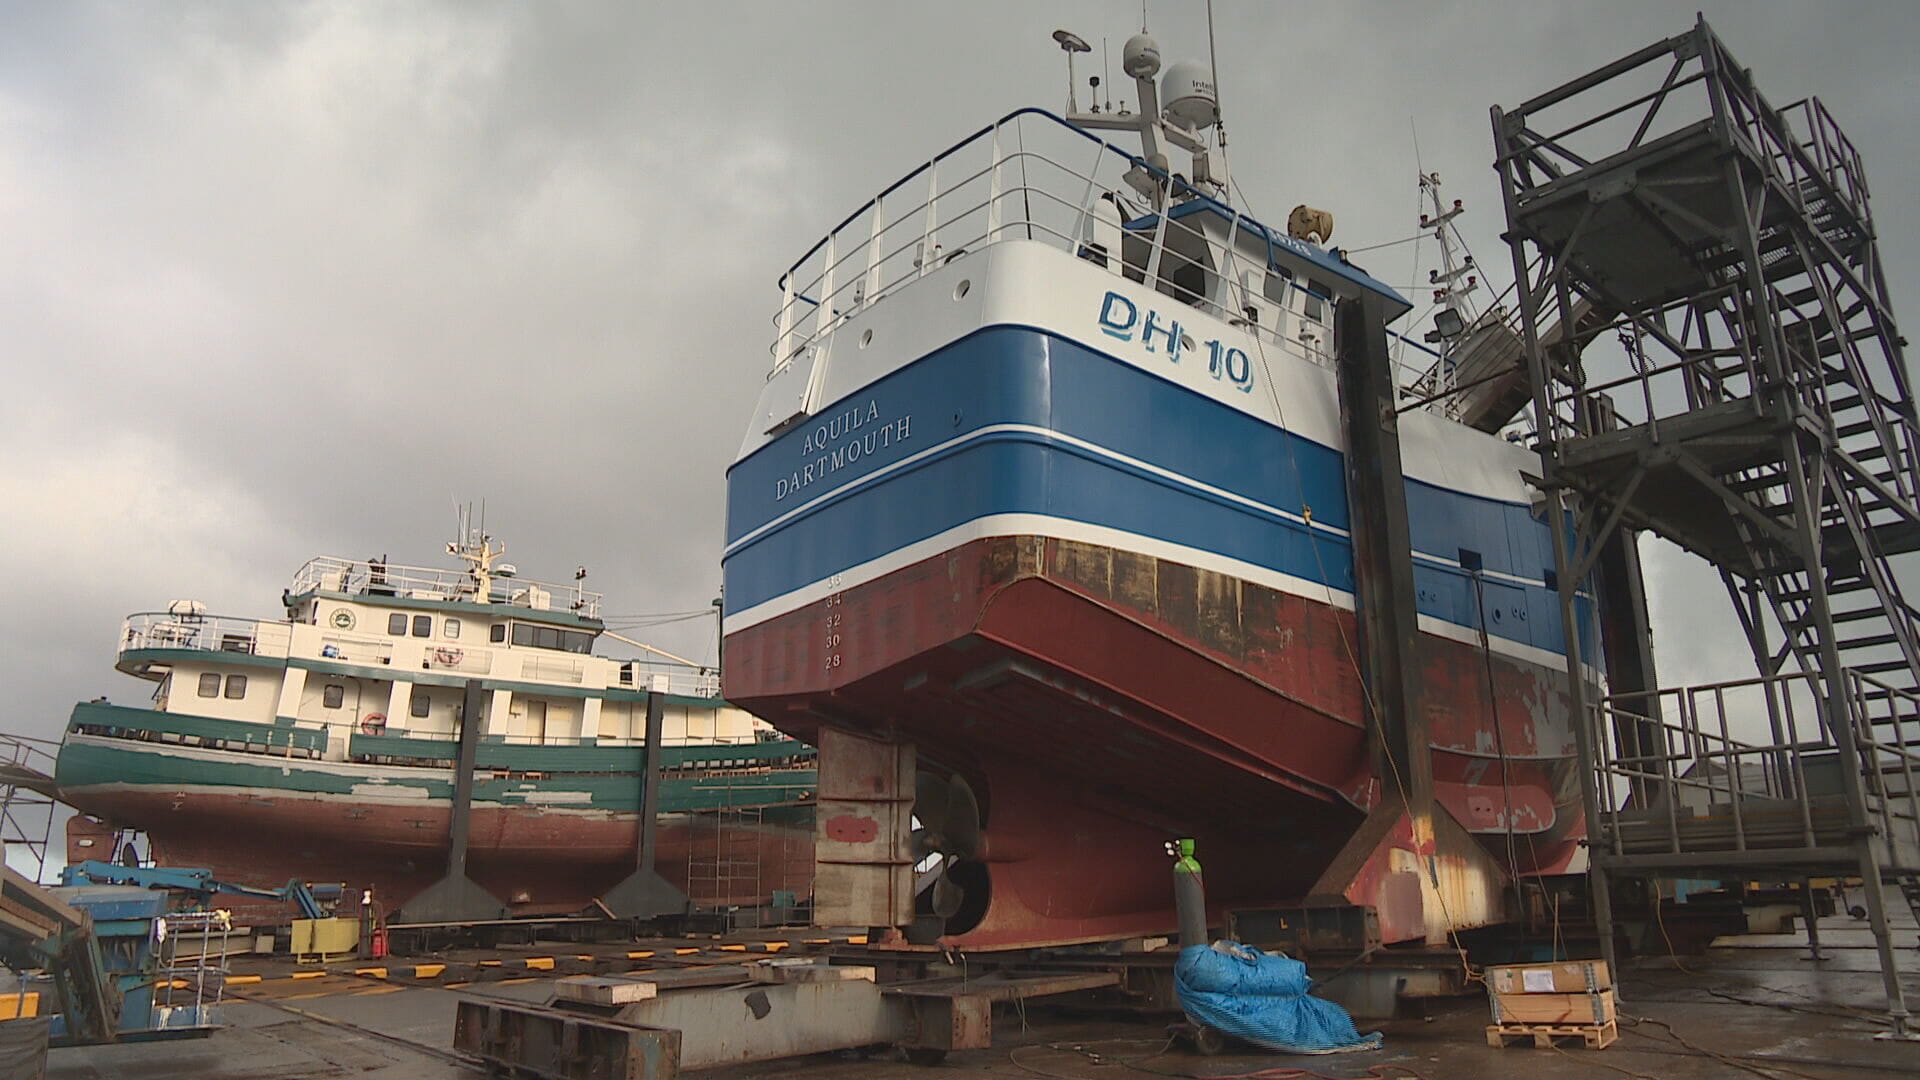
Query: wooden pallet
(1595, 1036)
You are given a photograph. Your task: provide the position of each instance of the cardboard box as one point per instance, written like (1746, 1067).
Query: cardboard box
(1586, 1009)
(1566, 977)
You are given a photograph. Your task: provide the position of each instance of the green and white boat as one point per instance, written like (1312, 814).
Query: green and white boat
(322, 745)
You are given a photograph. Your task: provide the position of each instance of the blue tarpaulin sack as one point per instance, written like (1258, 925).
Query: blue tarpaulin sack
(1262, 998)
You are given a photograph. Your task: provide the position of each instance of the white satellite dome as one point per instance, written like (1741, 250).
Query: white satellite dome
(1188, 91)
(1140, 57)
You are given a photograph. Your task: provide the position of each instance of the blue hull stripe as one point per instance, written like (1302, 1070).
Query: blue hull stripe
(1013, 420)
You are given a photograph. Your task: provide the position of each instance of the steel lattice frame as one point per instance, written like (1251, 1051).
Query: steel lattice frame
(1759, 413)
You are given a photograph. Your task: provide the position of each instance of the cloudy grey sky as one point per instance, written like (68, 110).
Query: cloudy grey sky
(289, 279)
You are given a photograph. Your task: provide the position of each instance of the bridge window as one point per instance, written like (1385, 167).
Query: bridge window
(552, 637)
(333, 696)
(497, 633)
(423, 626)
(420, 706)
(397, 625)
(236, 686)
(209, 685)
(452, 630)
(1316, 300)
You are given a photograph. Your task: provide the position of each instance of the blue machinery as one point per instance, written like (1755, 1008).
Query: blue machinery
(199, 883)
(102, 937)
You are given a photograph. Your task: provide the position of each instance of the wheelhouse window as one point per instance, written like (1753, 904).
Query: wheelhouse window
(451, 631)
(209, 685)
(423, 626)
(236, 686)
(420, 706)
(552, 637)
(397, 625)
(333, 696)
(497, 633)
(1278, 286)
(1316, 300)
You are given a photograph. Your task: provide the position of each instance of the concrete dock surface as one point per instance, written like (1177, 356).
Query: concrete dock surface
(1753, 1006)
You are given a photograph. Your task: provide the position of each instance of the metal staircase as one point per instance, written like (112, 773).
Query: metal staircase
(1757, 412)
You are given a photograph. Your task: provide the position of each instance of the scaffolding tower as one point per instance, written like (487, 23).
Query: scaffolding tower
(28, 797)
(1749, 402)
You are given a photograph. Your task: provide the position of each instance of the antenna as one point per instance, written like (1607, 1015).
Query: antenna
(1106, 72)
(1071, 43)
(1213, 68)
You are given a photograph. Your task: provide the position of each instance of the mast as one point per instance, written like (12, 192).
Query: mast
(1456, 314)
(477, 550)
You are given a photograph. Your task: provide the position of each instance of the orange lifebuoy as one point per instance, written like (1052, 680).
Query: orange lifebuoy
(373, 723)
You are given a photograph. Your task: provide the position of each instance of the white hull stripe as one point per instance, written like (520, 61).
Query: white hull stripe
(997, 525)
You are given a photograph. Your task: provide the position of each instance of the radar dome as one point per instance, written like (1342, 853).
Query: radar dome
(1189, 94)
(1140, 57)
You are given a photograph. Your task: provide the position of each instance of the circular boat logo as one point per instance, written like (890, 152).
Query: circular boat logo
(343, 619)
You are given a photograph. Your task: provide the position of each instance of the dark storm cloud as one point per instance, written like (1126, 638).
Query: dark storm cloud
(287, 279)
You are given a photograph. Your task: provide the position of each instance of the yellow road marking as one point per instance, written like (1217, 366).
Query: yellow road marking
(523, 979)
(641, 955)
(456, 983)
(489, 963)
(818, 941)
(540, 963)
(685, 952)
(378, 973)
(378, 990)
(733, 948)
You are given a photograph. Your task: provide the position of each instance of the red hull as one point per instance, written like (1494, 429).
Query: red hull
(1103, 701)
(536, 862)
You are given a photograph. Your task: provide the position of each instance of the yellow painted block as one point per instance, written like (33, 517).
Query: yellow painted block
(377, 973)
(540, 963)
(776, 946)
(323, 938)
(242, 980)
(685, 952)
(857, 939)
(428, 971)
(641, 955)
(307, 974)
(733, 948)
(20, 1006)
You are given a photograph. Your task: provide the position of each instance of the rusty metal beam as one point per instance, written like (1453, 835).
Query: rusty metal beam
(1382, 550)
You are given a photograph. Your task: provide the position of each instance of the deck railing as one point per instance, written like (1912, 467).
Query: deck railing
(260, 637)
(210, 633)
(1034, 176)
(153, 725)
(1755, 757)
(361, 577)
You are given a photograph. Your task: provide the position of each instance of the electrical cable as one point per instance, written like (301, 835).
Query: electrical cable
(1276, 1072)
(1725, 1059)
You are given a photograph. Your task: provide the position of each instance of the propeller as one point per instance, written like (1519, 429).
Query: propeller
(947, 836)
